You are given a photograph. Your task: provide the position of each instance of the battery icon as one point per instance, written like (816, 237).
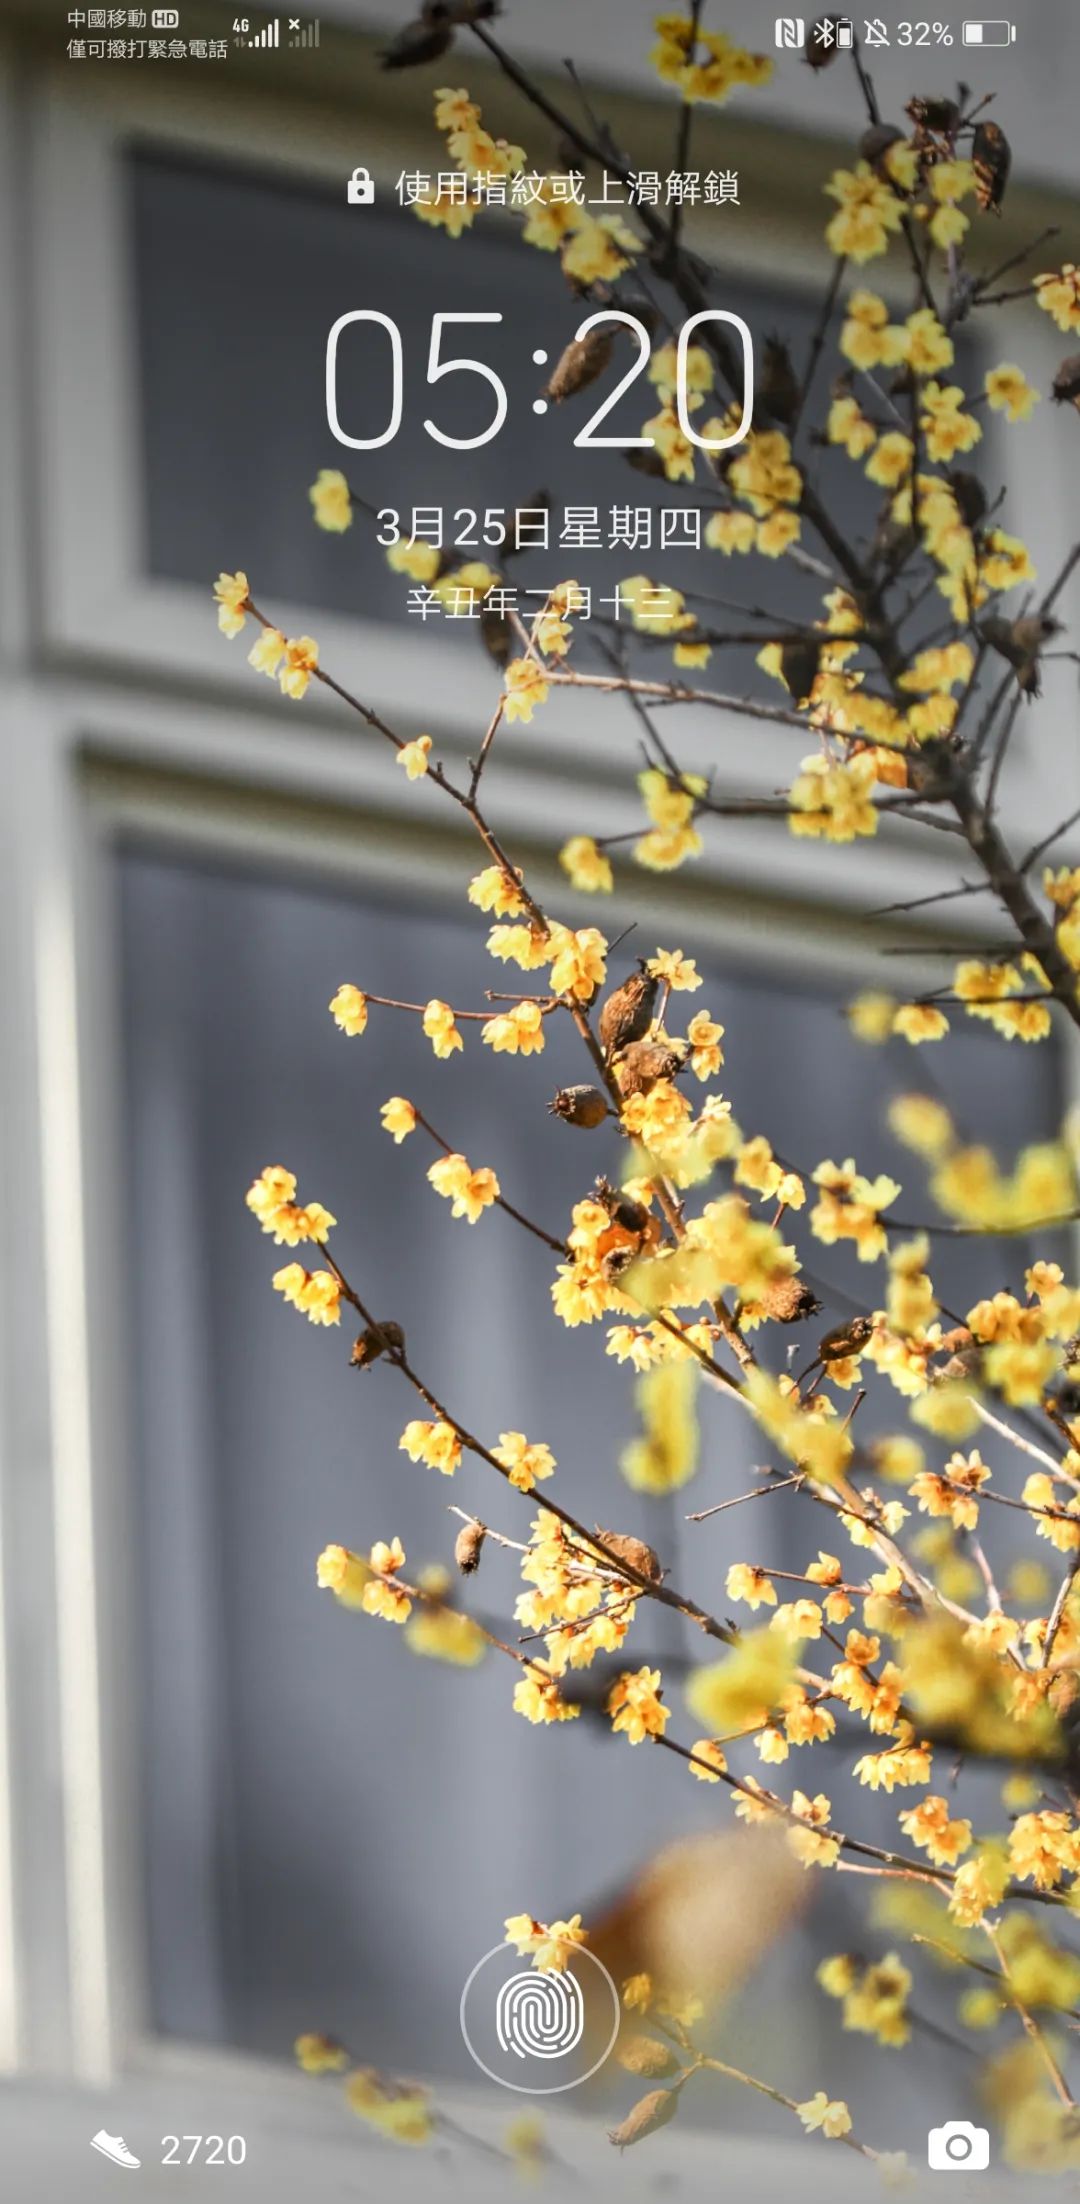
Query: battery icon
(845, 32)
(989, 33)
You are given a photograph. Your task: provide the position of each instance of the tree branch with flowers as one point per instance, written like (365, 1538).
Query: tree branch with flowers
(688, 1252)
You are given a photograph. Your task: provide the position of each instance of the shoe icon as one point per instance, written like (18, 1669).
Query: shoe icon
(114, 2147)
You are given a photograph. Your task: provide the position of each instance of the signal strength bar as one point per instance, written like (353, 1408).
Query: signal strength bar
(271, 36)
(309, 36)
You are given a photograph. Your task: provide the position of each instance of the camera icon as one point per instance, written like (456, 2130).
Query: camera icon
(958, 2147)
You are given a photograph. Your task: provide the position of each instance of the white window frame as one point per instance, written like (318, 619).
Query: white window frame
(99, 661)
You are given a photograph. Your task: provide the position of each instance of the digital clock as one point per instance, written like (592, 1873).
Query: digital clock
(439, 366)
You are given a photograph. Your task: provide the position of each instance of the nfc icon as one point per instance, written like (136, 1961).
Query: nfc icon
(790, 31)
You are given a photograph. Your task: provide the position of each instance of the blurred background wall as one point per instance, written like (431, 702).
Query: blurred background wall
(229, 1811)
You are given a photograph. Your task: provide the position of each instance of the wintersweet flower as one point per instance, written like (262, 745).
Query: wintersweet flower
(413, 757)
(439, 1028)
(470, 1192)
(869, 212)
(267, 651)
(301, 661)
(233, 602)
(436, 1444)
(526, 1464)
(332, 503)
(1009, 392)
(831, 2115)
(550, 1947)
(525, 689)
(398, 1118)
(349, 1009)
(586, 866)
(516, 1032)
(635, 1706)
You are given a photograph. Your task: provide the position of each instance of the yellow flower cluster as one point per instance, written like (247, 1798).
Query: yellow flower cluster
(704, 65)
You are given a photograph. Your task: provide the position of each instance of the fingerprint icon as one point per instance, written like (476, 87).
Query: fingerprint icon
(540, 2016)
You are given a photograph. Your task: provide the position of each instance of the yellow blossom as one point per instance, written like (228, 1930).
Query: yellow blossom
(869, 212)
(381, 1596)
(665, 1456)
(320, 2055)
(233, 602)
(497, 890)
(439, 1028)
(525, 689)
(301, 661)
(420, 561)
(550, 1947)
(539, 1699)
(398, 2109)
(831, 2115)
(267, 651)
(1058, 293)
(436, 1444)
(471, 1192)
(516, 1032)
(344, 1573)
(526, 1464)
(917, 1022)
(578, 964)
(586, 866)
(709, 1762)
(705, 1036)
(832, 800)
(413, 757)
(1009, 392)
(349, 1009)
(635, 1706)
(742, 1690)
(329, 494)
(398, 1118)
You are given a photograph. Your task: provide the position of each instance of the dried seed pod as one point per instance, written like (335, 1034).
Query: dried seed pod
(845, 1339)
(426, 39)
(820, 47)
(627, 1013)
(583, 1106)
(473, 11)
(992, 158)
(649, 2113)
(646, 462)
(632, 1215)
(377, 1339)
(960, 1368)
(644, 1062)
(789, 1301)
(778, 387)
(468, 1546)
(647, 2056)
(939, 117)
(1020, 642)
(497, 635)
(582, 362)
(799, 661)
(970, 496)
(636, 1554)
(954, 1341)
(1065, 387)
(875, 143)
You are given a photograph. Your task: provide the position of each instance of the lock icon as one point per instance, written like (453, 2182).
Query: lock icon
(360, 191)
